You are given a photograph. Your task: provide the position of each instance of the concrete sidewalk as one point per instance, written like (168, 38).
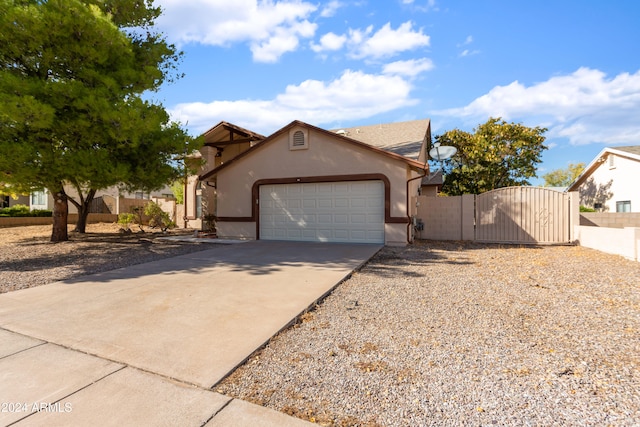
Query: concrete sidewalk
(144, 345)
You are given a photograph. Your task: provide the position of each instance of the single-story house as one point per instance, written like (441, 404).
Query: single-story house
(107, 200)
(7, 201)
(610, 182)
(305, 183)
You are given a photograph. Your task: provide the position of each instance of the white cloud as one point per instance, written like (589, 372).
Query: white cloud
(331, 8)
(386, 42)
(585, 106)
(410, 68)
(329, 42)
(429, 6)
(272, 28)
(354, 95)
(466, 42)
(468, 52)
(281, 41)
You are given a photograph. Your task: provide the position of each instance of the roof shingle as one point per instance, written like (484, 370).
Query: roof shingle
(403, 138)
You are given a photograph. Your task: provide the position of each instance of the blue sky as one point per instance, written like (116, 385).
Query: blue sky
(570, 66)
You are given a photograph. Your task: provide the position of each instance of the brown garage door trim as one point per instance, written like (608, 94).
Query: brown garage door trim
(255, 195)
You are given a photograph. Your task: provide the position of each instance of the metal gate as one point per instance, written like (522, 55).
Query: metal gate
(523, 215)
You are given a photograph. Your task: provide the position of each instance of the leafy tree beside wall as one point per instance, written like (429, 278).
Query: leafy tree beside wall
(72, 76)
(497, 154)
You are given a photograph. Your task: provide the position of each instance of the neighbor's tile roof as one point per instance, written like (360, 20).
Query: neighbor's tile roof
(403, 138)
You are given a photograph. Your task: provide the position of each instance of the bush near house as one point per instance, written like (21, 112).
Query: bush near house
(23, 210)
(151, 214)
(125, 220)
(158, 217)
(586, 209)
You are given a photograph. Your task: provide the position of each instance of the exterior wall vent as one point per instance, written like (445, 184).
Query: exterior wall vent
(298, 139)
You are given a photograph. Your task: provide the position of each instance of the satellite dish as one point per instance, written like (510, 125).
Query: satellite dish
(441, 153)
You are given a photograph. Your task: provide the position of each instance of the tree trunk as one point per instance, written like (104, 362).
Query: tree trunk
(83, 211)
(60, 215)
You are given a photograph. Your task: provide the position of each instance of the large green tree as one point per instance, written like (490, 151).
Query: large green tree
(563, 177)
(497, 154)
(72, 115)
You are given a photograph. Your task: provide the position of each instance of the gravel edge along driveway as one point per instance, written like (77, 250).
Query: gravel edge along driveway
(434, 333)
(28, 258)
(462, 334)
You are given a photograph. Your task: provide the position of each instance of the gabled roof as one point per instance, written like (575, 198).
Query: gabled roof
(630, 152)
(434, 178)
(404, 138)
(225, 133)
(410, 162)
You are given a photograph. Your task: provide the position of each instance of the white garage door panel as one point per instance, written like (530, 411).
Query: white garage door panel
(326, 212)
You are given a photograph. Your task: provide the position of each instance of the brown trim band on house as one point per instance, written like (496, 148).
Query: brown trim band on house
(236, 219)
(255, 195)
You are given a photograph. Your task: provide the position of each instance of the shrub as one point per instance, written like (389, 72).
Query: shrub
(41, 213)
(23, 210)
(586, 209)
(210, 221)
(158, 217)
(125, 220)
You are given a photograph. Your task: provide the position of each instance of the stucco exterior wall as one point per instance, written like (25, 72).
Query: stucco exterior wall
(609, 184)
(325, 156)
(236, 230)
(618, 241)
(21, 200)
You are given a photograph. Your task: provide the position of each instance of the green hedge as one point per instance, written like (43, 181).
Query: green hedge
(23, 210)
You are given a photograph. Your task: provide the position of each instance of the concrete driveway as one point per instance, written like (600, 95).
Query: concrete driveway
(145, 344)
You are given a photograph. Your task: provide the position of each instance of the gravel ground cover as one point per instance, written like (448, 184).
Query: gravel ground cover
(28, 258)
(462, 334)
(432, 334)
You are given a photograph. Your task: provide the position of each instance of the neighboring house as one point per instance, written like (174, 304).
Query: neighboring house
(108, 200)
(432, 184)
(305, 183)
(7, 201)
(610, 182)
(40, 200)
(114, 201)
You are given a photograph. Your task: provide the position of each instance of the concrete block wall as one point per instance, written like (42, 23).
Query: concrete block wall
(468, 217)
(71, 219)
(446, 218)
(610, 219)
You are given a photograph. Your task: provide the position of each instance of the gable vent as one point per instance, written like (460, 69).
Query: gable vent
(298, 139)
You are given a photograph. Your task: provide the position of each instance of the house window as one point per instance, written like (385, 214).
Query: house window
(612, 161)
(38, 198)
(139, 195)
(298, 139)
(623, 206)
(4, 201)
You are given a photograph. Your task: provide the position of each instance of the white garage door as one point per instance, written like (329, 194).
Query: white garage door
(323, 212)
